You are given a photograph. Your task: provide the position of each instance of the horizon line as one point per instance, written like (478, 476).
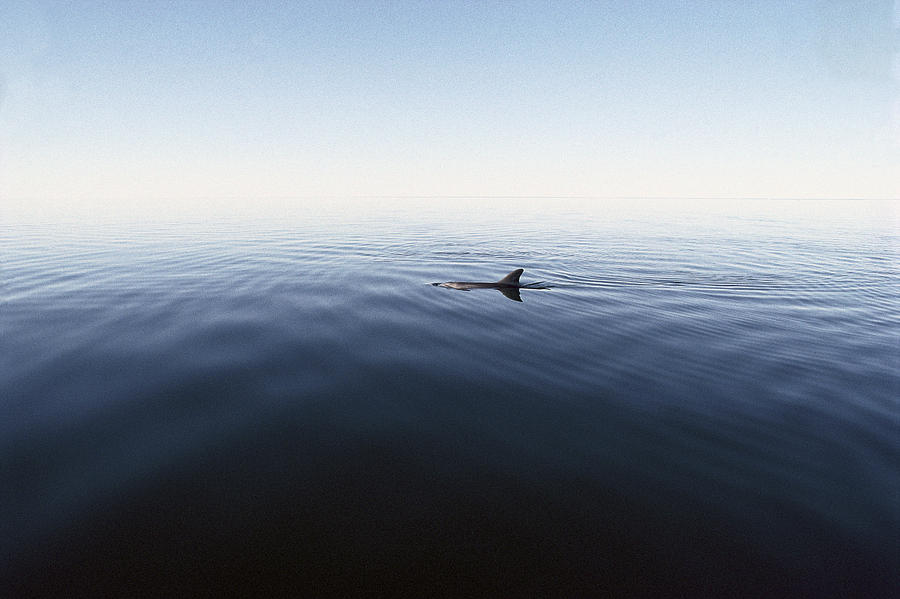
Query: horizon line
(461, 197)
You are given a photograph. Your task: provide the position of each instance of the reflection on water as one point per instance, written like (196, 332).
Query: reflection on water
(704, 401)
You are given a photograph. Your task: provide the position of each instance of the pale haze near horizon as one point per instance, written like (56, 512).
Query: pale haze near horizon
(117, 105)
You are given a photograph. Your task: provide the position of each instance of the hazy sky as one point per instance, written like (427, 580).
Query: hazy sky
(139, 100)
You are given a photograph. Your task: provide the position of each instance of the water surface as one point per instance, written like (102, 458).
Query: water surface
(705, 401)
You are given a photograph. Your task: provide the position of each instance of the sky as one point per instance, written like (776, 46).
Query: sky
(135, 102)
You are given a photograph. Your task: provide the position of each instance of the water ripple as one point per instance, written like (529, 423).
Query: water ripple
(742, 369)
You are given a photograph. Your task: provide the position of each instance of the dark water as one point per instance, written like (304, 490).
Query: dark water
(706, 401)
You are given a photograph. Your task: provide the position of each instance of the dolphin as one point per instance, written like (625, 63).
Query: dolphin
(508, 285)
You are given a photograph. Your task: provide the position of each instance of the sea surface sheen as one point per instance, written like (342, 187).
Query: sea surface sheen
(705, 400)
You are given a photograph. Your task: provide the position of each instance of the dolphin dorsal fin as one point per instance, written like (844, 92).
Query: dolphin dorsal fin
(512, 278)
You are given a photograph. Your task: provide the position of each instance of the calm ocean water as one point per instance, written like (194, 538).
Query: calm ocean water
(706, 400)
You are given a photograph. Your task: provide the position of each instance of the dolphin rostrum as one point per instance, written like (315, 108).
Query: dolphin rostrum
(508, 285)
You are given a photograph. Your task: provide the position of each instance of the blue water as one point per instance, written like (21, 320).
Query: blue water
(707, 400)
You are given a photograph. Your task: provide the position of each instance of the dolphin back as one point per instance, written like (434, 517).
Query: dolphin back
(512, 278)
